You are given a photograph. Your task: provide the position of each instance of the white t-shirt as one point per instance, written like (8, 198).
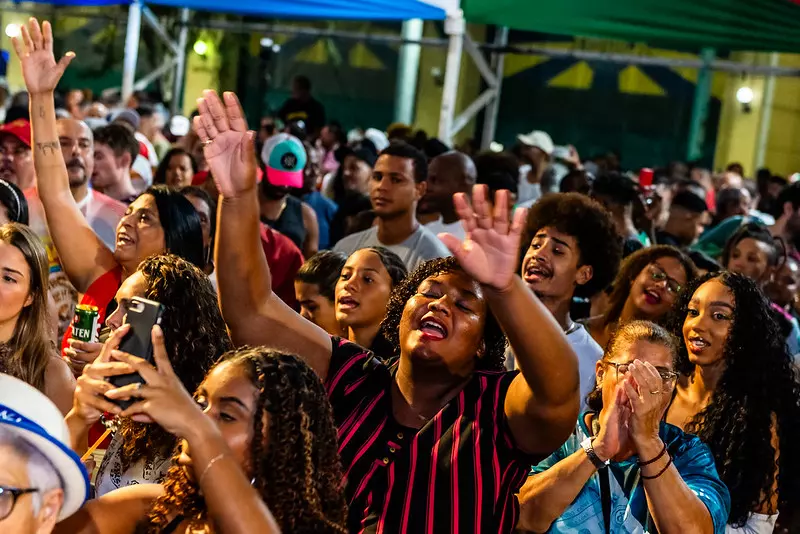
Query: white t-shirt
(588, 352)
(439, 227)
(422, 245)
(103, 214)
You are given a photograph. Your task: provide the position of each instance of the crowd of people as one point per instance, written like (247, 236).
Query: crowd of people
(370, 331)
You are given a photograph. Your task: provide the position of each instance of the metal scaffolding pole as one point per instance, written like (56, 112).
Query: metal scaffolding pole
(492, 109)
(766, 114)
(454, 26)
(408, 72)
(131, 49)
(180, 64)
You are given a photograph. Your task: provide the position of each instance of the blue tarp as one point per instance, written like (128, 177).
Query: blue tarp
(296, 9)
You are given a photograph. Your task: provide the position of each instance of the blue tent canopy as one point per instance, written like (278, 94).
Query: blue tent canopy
(298, 9)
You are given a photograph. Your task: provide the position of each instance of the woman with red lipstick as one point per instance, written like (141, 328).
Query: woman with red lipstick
(646, 286)
(435, 437)
(256, 454)
(740, 395)
(362, 294)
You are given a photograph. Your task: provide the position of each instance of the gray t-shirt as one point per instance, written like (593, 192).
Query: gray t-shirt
(420, 246)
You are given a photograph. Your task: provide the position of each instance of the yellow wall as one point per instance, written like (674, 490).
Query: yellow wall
(14, 74)
(737, 138)
(782, 156)
(202, 72)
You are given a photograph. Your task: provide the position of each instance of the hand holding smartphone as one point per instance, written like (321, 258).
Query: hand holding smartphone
(142, 316)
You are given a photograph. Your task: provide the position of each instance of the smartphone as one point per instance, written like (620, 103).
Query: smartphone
(142, 316)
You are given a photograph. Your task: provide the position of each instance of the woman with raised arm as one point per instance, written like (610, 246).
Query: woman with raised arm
(436, 436)
(158, 221)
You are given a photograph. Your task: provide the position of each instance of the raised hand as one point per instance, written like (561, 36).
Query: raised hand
(227, 143)
(490, 252)
(34, 49)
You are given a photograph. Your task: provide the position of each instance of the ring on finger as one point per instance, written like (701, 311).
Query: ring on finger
(207, 142)
(656, 392)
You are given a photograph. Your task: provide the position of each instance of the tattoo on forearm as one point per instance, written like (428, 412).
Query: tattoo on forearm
(41, 112)
(48, 147)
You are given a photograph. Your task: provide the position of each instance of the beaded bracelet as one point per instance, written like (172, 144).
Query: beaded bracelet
(654, 460)
(669, 463)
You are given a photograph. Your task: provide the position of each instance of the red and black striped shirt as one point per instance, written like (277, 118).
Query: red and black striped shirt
(458, 473)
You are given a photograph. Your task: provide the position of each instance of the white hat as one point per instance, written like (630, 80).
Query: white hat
(179, 125)
(538, 139)
(25, 411)
(377, 137)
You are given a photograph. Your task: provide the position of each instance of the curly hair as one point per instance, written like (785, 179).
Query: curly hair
(630, 269)
(194, 334)
(758, 383)
(493, 337)
(295, 466)
(592, 227)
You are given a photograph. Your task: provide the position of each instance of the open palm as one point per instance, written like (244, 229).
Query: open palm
(490, 252)
(227, 143)
(34, 48)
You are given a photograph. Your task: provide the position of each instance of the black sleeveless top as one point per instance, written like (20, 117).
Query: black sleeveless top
(290, 222)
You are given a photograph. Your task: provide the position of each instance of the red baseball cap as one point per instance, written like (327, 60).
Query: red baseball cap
(20, 128)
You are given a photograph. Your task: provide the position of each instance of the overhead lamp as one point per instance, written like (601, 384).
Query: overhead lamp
(745, 95)
(200, 47)
(12, 30)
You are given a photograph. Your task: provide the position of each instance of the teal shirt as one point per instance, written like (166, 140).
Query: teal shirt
(629, 514)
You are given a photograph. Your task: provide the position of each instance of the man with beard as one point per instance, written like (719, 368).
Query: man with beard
(101, 211)
(397, 185)
(572, 248)
(448, 174)
(285, 159)
(16, 165)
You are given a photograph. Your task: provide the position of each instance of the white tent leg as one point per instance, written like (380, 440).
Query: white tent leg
(408, 72)
(131, 49)
(490, 116)
(180, 63)
(454, 26)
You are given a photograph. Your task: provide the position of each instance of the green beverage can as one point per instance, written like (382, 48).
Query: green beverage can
(86, 323)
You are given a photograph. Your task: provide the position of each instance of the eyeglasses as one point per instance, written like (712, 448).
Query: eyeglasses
(658, 275)
(8, 499)
(667, 377)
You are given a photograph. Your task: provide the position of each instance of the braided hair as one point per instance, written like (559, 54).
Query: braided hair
(494, 339)
(758, 384)
(295, 466)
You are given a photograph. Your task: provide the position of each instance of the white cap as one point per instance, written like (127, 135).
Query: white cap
(28, 413)
(538, 139)
(179, 125)
(377, 137)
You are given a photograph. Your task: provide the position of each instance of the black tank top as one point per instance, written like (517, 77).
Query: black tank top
(290, 222)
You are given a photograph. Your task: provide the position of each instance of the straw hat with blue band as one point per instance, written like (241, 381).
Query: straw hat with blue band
(285, 159)
(27, 412)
